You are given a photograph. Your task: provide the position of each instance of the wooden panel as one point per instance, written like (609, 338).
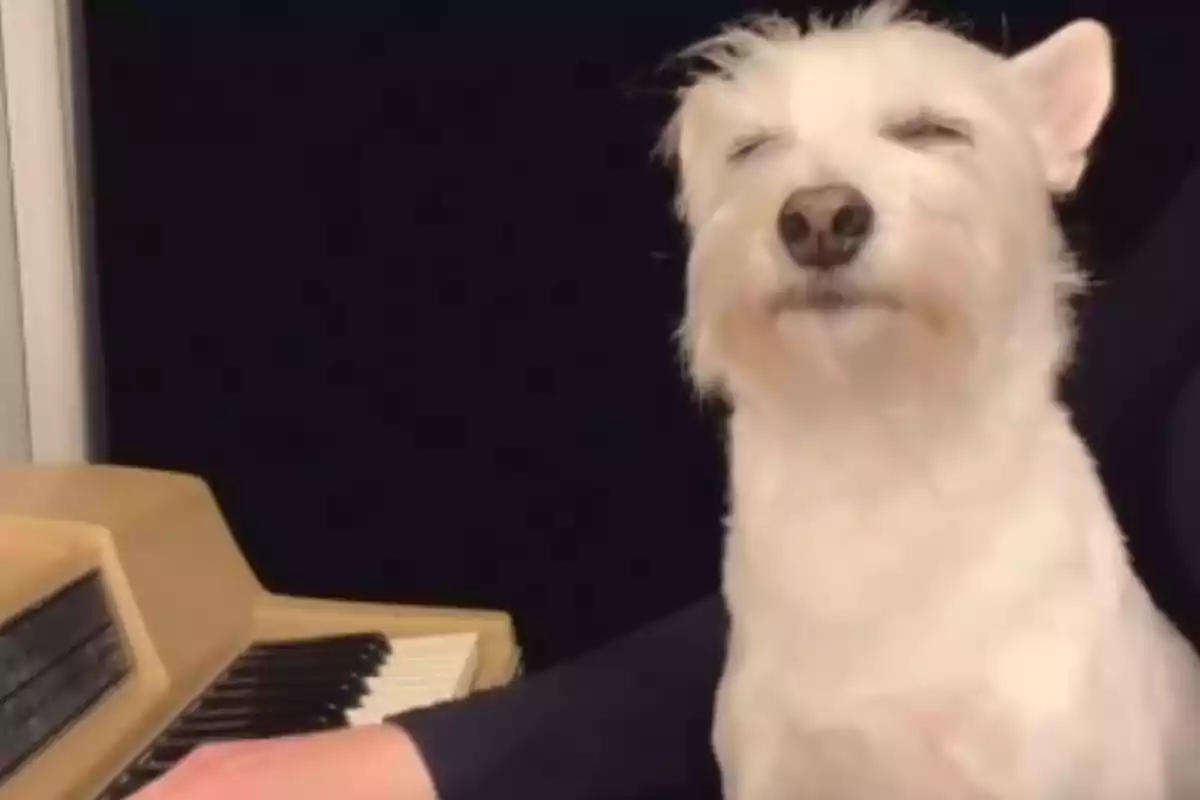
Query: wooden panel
(186, 601)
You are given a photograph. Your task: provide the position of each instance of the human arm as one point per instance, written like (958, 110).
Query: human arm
(631, 719)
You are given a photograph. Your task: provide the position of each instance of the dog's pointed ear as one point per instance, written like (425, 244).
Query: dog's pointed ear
(1068, 81)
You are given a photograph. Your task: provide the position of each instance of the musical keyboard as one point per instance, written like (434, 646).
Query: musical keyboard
(132, 630)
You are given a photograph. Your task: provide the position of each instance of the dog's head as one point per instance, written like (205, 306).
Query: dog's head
(870, 204)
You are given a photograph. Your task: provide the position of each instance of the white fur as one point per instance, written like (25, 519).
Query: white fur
(929, 595)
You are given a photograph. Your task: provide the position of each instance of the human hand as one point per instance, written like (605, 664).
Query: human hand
(376, 762)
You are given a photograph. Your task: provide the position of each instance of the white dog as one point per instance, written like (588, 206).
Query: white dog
(930, 598)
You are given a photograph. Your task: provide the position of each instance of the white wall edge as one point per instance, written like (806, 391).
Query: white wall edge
(37, 74)
(14, 413)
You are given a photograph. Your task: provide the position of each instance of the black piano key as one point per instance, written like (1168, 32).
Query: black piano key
(160, 765)
(253, 711)
(255, 726)
(342, 683)
(315, 662)
(164, 756)
(271, 689)
(256, 729)
(223, 708)
(280, 668)
(368, 639)
(292, 650)
(251, 717)
(297, 654)
(278, 687)
(127, 784)
(276, 670)
(273, 700)
(258, 711)
(281, 696)
(352, 643)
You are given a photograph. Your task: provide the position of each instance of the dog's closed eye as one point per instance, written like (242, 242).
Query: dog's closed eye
(748, 145)
(925, 130)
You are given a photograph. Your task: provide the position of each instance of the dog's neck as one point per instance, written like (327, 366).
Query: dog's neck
(993, 395)
(916, 430)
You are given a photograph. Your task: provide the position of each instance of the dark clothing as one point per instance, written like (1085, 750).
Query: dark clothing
(1183, 486)
(632, 720)
(1139, 345)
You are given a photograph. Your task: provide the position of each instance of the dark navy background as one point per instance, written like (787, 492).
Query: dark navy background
(400, 281)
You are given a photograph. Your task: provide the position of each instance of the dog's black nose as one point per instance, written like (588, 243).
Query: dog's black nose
(825, 227)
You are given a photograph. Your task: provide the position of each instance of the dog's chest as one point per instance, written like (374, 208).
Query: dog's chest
(850, 543)
(910, 628)
(865, 573)
(941, 746)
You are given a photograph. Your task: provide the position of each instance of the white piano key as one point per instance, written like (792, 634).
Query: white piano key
(420, 671)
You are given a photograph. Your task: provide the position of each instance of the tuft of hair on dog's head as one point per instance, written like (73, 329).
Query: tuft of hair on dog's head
(742, 38)
(754, 35)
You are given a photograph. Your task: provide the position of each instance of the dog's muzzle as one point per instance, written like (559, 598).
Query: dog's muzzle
(824, 228)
